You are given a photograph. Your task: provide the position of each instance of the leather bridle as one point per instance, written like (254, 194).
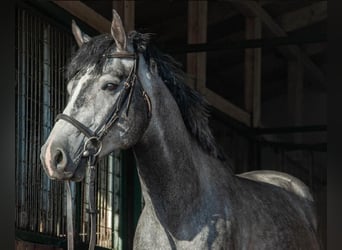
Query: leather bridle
(93, 145)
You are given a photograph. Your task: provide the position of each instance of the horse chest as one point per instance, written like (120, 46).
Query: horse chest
(151, 234)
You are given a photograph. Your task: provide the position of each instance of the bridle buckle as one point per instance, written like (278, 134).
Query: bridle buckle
(92, 147)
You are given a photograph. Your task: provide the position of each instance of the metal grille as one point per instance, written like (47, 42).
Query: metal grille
(39, 98)
(107, 200)
(42, 51)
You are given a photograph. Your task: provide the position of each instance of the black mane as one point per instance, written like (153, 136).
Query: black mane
(193, 107)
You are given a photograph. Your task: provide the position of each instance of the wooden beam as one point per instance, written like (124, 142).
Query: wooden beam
(226, 107)
(304, 17)
(286, 22)
(253, 72)
(86, 14)
(197, 33)
(251, 8)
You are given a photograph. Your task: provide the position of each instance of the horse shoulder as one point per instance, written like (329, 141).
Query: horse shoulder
(280, 179)
(150, 234)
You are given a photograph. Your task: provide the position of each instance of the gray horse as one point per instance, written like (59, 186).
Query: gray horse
(124, 93)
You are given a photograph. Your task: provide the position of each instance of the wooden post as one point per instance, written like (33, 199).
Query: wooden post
(197, 33)
(86, 14)
(253, 71)
(126, 10)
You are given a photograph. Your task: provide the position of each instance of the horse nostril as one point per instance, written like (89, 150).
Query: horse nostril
(60, 159)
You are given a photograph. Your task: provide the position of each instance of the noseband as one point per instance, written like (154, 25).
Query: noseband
(93, 145)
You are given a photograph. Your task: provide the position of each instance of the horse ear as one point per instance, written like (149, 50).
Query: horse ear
(118, 32)
(80, 37)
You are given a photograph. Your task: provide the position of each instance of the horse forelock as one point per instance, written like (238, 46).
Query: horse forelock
(90, 54)
(193, 107)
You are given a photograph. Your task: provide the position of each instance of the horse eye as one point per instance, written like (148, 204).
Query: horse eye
(109, 86)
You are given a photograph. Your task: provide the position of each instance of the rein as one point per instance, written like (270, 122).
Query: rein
(93, 144)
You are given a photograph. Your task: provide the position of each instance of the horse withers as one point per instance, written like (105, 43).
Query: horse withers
(124, 93)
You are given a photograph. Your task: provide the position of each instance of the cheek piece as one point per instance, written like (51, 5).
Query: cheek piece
(93, 144)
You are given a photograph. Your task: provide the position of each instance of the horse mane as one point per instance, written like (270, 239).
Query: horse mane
(193, 107)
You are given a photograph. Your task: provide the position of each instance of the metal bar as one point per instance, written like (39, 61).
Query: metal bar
(110, 198)
(21, 120)
(35, 114)
(26, 65)
(46, 183)
(40, 119)
(251, 43)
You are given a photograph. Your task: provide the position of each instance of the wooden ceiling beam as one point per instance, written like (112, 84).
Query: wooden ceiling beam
(223, 105)
(304, 17)
(126, 10)
(86, 14)
(289, 21)
(252, 8)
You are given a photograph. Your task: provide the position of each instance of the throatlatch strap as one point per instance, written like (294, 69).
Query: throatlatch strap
(70, 226)
(91, 210)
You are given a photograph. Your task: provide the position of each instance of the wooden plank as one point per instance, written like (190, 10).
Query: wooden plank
(251, 8)
(304, 17)
(197, 33)
(226, 107)
(253, 72)
(86, 14)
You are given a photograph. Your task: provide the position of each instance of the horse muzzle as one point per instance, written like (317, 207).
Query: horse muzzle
(58, 165)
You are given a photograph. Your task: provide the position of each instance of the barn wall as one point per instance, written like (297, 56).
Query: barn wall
(309, 166)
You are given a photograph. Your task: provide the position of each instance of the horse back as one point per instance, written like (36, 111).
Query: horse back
(271, 217)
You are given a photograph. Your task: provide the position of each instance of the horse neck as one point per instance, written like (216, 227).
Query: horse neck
(164, 155)
(175, 173)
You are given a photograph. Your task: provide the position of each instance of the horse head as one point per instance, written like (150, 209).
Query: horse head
(107, 109)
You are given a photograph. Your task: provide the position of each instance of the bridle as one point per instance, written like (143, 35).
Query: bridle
(93, 144)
